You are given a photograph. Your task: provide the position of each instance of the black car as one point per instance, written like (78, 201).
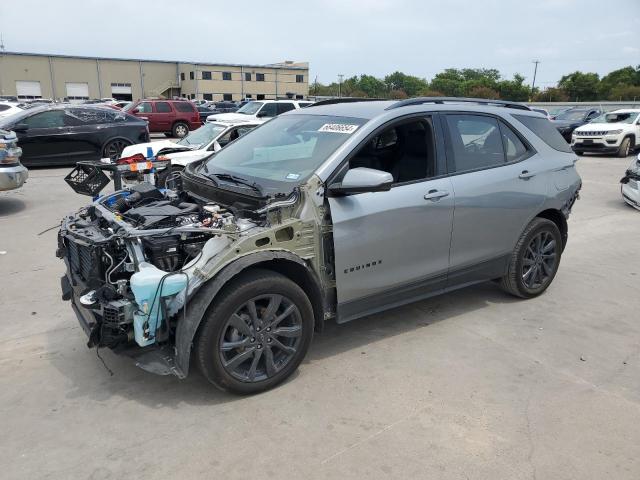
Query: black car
(225, 107)
(204, 112)
(573, 118)
(65, 134)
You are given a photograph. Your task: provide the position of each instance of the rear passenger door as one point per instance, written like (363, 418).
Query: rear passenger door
(163, 116)
(498, 188)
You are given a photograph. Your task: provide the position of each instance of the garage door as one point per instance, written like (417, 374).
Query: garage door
(121, 91)
(26, 90)
(77, 91)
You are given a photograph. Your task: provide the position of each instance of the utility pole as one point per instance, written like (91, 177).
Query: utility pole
(340, 84)
(535, 71)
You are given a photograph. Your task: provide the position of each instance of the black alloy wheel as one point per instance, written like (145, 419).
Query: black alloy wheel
(113, 149)
(539, 261)
(260, 338)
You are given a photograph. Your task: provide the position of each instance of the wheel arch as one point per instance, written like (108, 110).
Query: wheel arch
(285, 263)
(559, 219)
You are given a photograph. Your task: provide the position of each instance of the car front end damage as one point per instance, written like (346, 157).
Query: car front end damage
(630, 184)
(137, 259)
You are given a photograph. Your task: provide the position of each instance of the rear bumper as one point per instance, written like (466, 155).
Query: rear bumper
(12, 177)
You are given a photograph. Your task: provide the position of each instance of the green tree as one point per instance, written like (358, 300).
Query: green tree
(480, 91)
(551, 95)
(372, 86)
(450, 82)
(581, 86)
(408, 83)
(627, 76)
(625, 92)
(514, 90)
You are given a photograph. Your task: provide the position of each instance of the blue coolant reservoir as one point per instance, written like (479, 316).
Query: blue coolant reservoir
(149, 288)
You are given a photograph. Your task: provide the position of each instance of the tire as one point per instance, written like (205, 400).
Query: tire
(579, 153)
(229, 340)
(166, 174)
(180, 130)
(529, 258)
(113, 148)
(625, 148)
(168, 134)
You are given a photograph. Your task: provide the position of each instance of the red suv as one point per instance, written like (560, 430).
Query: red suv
(171, 117)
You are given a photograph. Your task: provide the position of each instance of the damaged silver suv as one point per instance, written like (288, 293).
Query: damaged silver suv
(333, 212)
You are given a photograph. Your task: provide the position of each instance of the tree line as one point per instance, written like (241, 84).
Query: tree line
(621, 84)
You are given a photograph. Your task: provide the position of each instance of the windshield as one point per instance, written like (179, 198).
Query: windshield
(202, 136)
(250, 108)
(284, 151)
(627, 117)
(572, 115)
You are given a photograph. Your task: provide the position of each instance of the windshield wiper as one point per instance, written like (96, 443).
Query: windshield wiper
(239, 181)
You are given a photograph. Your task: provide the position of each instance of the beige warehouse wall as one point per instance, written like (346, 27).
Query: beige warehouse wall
(147, 78)
(27, 67)
(74, 71)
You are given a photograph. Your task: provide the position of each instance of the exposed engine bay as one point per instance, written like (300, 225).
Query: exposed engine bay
(135, 257)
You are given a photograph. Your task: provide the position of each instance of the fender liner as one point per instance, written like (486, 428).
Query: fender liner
(198, 305)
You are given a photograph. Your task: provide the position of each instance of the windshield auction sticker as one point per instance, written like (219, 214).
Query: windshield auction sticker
(338, 128)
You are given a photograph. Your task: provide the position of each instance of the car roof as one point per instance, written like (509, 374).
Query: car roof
(626, 110)
(369, 109)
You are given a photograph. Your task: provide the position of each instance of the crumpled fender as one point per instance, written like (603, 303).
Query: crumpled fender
(199, 303)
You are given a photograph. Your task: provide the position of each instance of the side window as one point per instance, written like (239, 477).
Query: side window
(50, 119)
(285, 107)
(88, 116)
(514, 149)
(406, 150)
(163, 107)
(227, 137)
(269, 110)
(144, 107)
(184, 106)
(475, 142)
(243, 130)
(546, 131)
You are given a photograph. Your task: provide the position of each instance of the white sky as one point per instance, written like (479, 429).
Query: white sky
(347, 36)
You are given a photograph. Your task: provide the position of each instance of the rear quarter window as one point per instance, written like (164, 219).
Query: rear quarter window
(184, 107)
(545, 130)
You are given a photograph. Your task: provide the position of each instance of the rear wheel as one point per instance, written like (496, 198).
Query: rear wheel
(180, 130)
(535, 260)
(579, 153)
(625, 148)
(113, 148)
(255, 333)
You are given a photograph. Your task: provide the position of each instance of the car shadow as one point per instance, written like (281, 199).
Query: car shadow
(10, 206)
(88, 378)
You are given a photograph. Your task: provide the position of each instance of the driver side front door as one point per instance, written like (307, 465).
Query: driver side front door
(392, 247)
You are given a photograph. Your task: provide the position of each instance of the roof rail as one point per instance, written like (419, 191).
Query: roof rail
(332, 101)
(441, 100)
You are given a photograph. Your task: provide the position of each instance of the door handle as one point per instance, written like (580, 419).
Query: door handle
(435, 195)
(526, 174)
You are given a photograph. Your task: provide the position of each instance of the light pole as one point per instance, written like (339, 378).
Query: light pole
(340, 84)
(535, 71)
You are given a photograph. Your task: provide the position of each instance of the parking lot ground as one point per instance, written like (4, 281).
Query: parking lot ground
(470, 385)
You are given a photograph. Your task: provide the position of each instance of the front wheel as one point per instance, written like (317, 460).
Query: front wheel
(180, 130)
(256, 333)
(535, 259)
(625, 148)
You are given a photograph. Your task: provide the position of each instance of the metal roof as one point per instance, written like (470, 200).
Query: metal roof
(80, 57)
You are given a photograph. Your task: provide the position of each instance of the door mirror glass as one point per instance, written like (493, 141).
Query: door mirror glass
(216, 146)
(362, 179)
(21, 127)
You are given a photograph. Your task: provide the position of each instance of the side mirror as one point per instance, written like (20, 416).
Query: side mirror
(20, 127)
(216, 146)
(262, 114)
(360, 180)
(135, 110)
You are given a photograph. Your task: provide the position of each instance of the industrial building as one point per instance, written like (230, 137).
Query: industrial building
(34, 75)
